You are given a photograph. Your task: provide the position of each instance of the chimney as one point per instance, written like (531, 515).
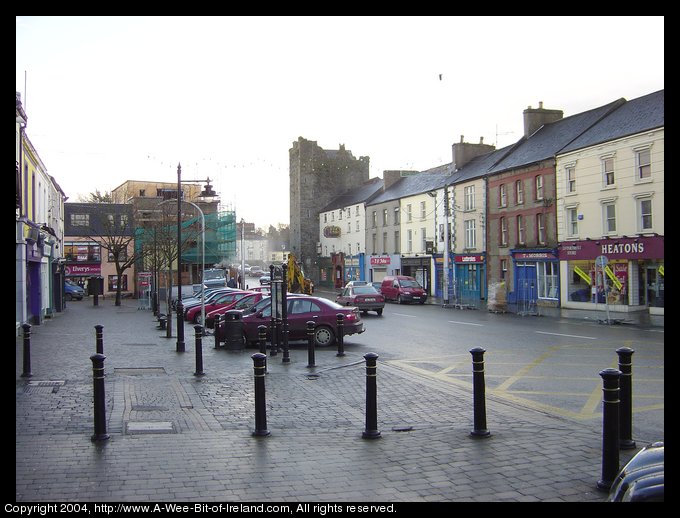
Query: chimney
(463, 151)
(390, 178)
(534, 118)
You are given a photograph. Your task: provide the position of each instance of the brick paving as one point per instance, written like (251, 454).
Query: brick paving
(177, 437)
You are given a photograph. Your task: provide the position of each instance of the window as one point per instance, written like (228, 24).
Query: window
(423, 210)
(423, 244)
(609, 217)
(397, 242)
(122, 256)
(142, 192)
(349, 248)
(349, 227)
(384, 217)
(397, 213)
(572, 221)
(301, 305)
(80, 220)
(519, 192)
(503, 195)
(374, 241)
(538, 183)
(504, 232)
(384, 248)
(340, 214)
(520, 230)
(113, 282)
(409, 240)
(608, 171)
(470, 234)
(548, 273)
(408, 212)
(375, 219)
(571, 179)
(470, 197)
(356, 226)
(504, 268)
(540, 228)
(643, 163)
(325, 218)
(358, 248)
(356, 210)
(645, 214)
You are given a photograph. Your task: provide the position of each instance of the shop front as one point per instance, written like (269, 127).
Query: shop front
(418, 267)
(469, 279)
(378, 266)
(354, 268)
(626, 274)
(536, 276)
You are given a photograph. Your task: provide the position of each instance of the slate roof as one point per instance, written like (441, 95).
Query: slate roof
(550, 138)
(635, 116)
(428, 180)
(359, 194)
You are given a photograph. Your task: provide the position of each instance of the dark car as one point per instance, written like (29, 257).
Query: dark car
(301, 309)
(243, 303)
(192, 302)
(73, 291)
(364, 296)
(641, 479)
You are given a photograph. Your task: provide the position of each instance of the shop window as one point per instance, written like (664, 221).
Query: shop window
(113, 282)
(548, 275)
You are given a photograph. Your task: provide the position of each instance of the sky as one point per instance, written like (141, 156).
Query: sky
(111, 99)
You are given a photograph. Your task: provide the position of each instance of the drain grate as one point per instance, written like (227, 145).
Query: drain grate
(138, 371)
(43, 387)
(149, 408)
(141, 427)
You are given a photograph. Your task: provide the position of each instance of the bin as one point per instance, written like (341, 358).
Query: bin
(233, 330)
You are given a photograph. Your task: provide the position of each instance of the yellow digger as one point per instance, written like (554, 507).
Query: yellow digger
(297, 282)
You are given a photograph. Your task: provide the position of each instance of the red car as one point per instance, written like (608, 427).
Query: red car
(244, 303)
(365, 297)
(224, 299)
(301, 309)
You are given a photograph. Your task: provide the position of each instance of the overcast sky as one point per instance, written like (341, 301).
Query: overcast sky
(111, 99)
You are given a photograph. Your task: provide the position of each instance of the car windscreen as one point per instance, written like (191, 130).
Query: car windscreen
(407, 283)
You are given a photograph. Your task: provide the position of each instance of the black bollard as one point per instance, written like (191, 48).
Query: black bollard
(199, 351)
(341, 332)
(262, 338)
(610, 428)
(180, 327)
(27, 351)
(259, 360)
(218, 318)
(371, 431)
(310, 344)
(479, 393)
(284, 340)
(99, 338)
(99, 398)
(626, 441)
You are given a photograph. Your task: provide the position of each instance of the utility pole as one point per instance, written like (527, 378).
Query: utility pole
(446, 246)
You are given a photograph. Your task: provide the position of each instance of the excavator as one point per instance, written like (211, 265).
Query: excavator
(297, 282)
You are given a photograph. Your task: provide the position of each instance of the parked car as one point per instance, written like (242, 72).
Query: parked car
(265, 280)
(301, 309)
(256, 271)
(364, 296)
(73, 291)
(377, 285)
(193, 314)
(402, 288)
(191, 302)
(244, 303)
(265, 289)
(642, 478)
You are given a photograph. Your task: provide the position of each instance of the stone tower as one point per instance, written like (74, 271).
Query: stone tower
(317, 176)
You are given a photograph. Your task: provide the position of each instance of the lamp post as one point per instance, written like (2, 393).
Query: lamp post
(243, 254)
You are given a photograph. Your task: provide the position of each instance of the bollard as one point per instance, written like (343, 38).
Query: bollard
(610, 428)
(99, 398)
(27, 351)
(310, 344)
(626, 441)
(371, 431)
(262, 338)
(180, 327)
(274, 350)
(168, 324)
(341, 332)
(284, 341)
(479, 393)
(259, 360)
(199, 351)
(99, 338)
(218, 319)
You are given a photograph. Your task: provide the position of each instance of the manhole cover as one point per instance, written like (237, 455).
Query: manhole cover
(133, 427)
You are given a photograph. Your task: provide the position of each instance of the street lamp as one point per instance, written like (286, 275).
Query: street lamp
(243, 254)
(207, 193)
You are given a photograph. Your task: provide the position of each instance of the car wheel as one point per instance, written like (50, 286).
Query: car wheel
(68, 296)
(401, 300)
(323, 336)
(379, 311)
(422, 302)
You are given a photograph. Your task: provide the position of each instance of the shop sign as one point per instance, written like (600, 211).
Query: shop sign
(469, 259)
(83, 269)
(533, 255)
(621, 248)
(380, 260)
(332, 231)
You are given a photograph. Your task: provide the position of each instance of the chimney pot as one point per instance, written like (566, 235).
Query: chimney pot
(481, 140)
(461, 139)
(540, 105)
